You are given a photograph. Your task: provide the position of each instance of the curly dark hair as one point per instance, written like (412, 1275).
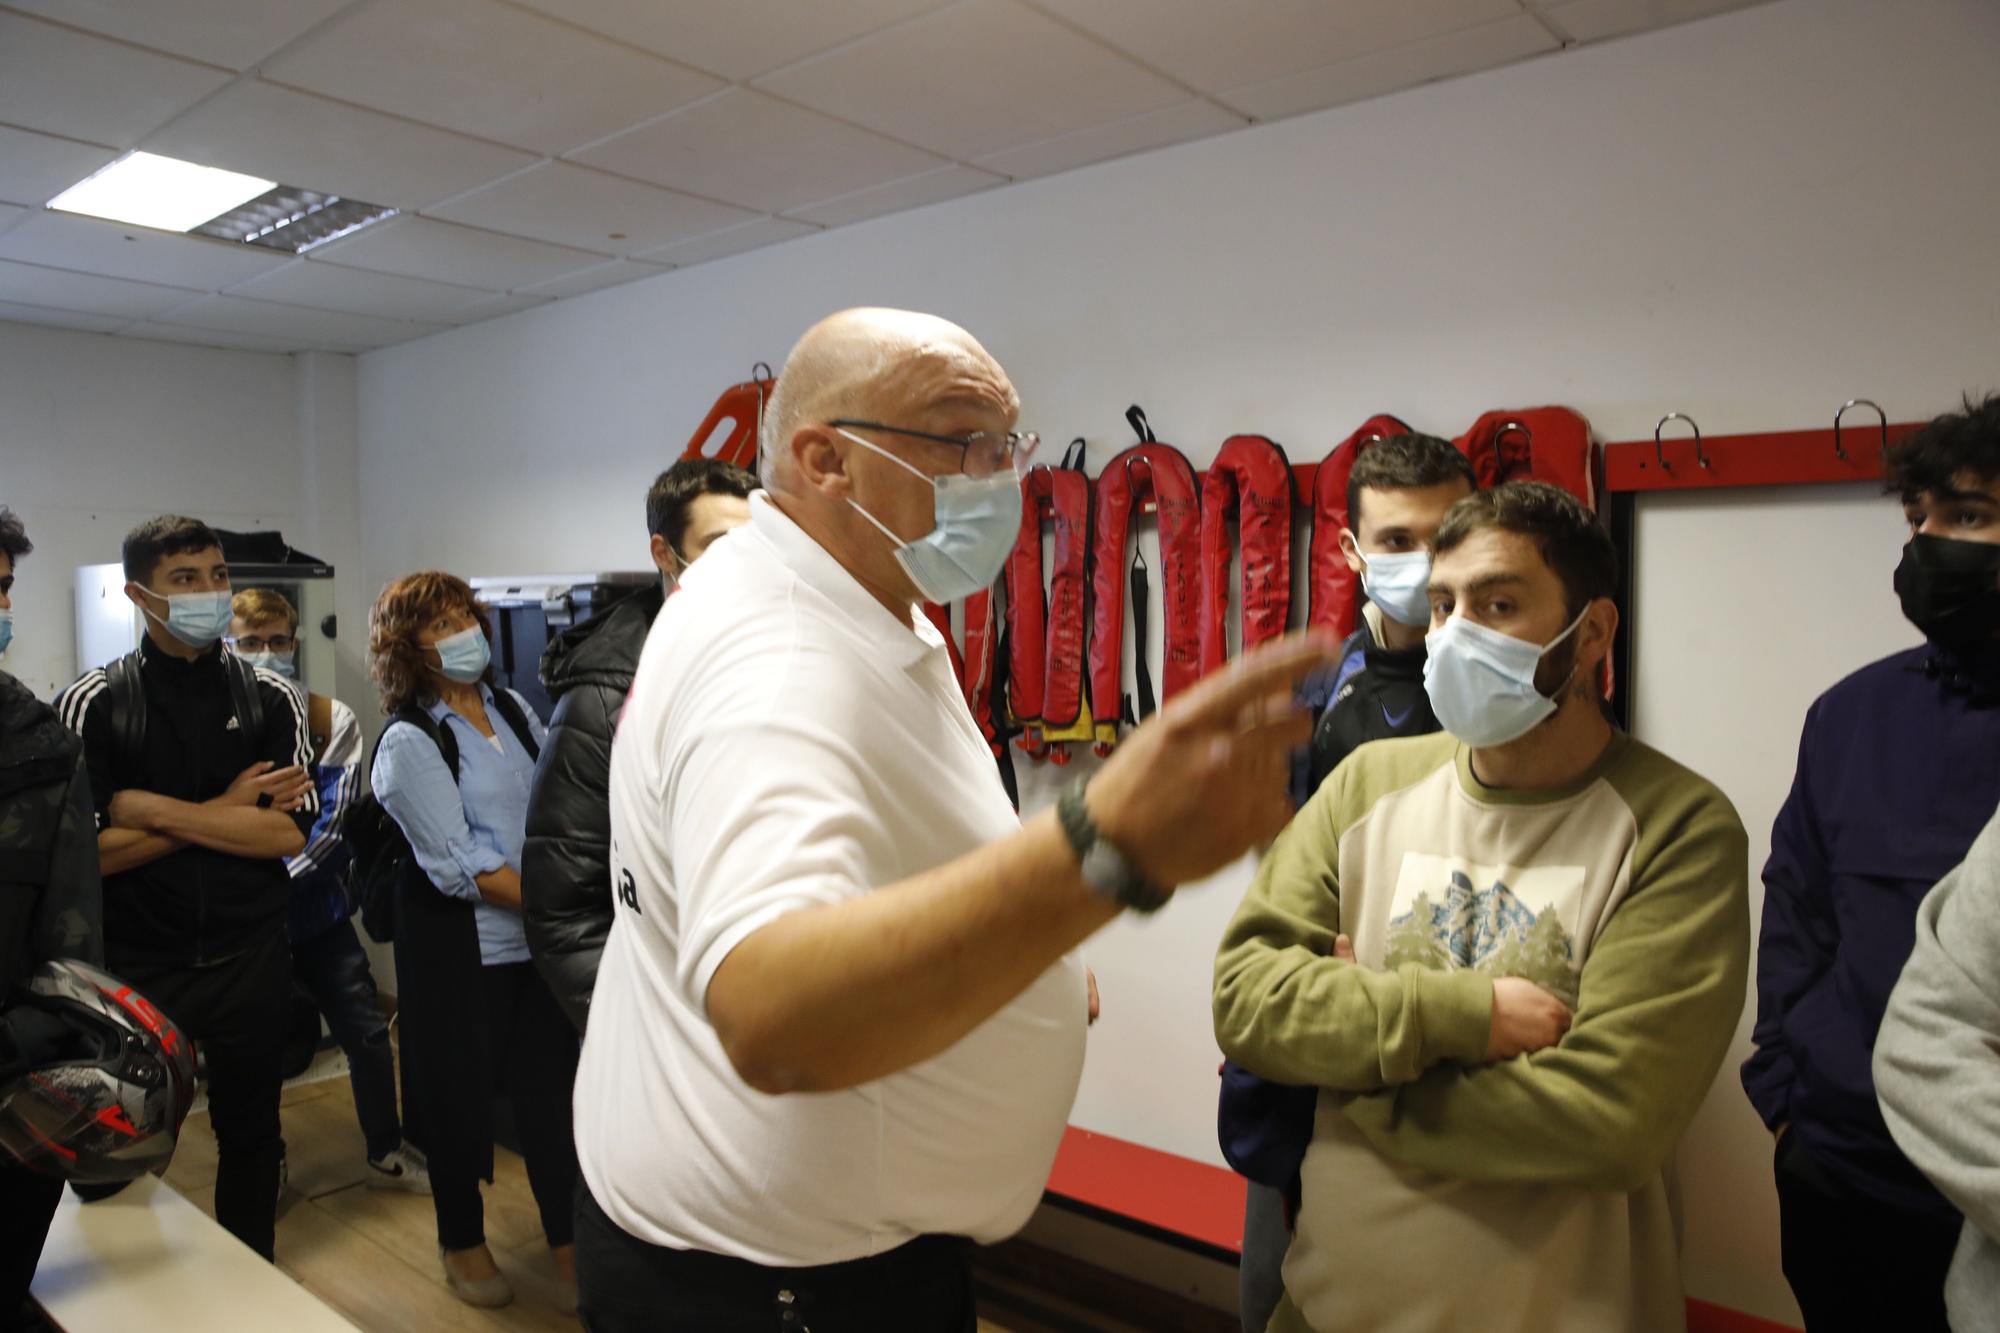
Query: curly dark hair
(1572, 542)
(1946, 448)
(14, 541)
(396, 663)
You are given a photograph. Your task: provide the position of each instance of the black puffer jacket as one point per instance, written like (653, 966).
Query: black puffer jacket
(566, 862)
(51, 901)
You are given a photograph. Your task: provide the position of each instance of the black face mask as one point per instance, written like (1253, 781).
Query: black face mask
(1950, 589)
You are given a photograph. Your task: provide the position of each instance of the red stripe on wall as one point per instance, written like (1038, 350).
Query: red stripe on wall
(1205, 1203)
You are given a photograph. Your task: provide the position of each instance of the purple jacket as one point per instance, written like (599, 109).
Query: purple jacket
(1899, 770)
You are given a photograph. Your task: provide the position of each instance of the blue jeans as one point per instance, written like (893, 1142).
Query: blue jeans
(334, 972)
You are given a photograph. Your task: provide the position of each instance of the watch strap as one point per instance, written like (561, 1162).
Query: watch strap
(1107, 870)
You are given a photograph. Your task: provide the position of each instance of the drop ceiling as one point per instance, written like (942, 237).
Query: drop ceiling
(541, 149)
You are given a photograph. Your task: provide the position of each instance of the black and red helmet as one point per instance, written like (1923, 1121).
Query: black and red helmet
(101, 1080)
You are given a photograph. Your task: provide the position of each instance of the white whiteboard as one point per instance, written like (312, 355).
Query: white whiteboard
(1748, 605)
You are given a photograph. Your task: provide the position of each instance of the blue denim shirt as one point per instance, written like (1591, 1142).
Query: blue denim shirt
(470, 828)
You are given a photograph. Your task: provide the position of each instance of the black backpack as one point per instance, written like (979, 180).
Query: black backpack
(381, 853)
(128, 707)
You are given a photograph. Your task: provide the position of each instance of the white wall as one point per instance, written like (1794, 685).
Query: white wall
(1749, 219)
(99, 433)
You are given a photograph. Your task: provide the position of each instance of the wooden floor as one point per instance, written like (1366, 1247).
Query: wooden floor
(372, 1254)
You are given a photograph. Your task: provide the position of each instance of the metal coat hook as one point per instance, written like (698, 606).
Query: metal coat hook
(1839, 449)
(1144, 508)
(1660, 452)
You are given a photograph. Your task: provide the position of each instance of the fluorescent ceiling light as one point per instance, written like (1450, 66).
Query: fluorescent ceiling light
(160, 192)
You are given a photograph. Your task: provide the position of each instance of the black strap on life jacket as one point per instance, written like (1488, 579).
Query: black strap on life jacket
(1148, 702)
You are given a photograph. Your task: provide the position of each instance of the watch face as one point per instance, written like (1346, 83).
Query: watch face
(1104, 868)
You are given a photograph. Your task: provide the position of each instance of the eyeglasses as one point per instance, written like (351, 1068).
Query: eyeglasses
(280, 644)
(983, 452)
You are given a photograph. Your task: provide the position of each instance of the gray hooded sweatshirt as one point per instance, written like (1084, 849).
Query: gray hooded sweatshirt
(1937, 1068)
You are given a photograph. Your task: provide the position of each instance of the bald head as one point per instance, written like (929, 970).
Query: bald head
(875, 364)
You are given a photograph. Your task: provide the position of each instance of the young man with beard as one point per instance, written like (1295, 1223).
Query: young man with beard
(1511, 957)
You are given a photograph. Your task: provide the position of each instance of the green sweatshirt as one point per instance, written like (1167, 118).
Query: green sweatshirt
(1440, 1191)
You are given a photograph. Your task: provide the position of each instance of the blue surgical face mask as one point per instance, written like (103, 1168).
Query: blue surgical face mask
(463, 656)
(282, 663)
(1399, 583)
(197, 619)
(975, 522)
(6, 627)
(1481, 682)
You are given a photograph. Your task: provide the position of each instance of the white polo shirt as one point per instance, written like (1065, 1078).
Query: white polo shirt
(789, 742)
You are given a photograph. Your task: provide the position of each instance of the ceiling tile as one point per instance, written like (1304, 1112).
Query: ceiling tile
(359, 291)
(492, 307)
(119, 250)
(88, 88)
(86, 293)
(235, 33)
(485, 69)
(35, 168)
(1593, 20)
(444, 252)
(1155, 129)
(61, 319)
(916, 191)
(1464, 52)
(596, 279)
(1031, 78)
(232, 342)
(749, 236)
(571, 205)
(1271, 38)
(267, 319)
(756, 36)
(749, 149)
(298, 139)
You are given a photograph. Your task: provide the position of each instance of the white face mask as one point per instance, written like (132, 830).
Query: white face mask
(1399, 583)
(974, 524)
(1481, 682)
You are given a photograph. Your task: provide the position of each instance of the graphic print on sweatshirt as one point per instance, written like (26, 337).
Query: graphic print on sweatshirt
(1507, 921)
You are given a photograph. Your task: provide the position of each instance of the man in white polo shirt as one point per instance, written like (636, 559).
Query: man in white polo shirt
(839, 1023)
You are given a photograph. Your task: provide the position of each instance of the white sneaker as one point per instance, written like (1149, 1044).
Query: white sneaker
(403, 1169)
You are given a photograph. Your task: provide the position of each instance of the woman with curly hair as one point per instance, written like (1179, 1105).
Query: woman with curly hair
(453, 768)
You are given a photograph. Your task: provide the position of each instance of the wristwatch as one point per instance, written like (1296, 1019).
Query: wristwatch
(1108, 871)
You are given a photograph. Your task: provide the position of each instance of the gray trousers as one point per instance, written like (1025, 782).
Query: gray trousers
(1260, 1281)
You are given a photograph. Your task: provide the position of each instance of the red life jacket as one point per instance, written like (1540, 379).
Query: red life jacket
(1335, 588)
(1252, 473)
(1158, 475)
(972, 668)
(1549, 444)
(1045, 637)
(731, 428)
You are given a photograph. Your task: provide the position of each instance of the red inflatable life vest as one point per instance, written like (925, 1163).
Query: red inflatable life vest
(1045, 636)
(1335, 588)
(972, 668)
(1253, 474)
(1159, 474)
(1549, 444)
(740, 408)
